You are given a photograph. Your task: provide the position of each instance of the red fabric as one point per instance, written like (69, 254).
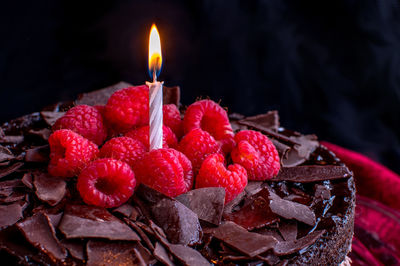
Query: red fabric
(377, 222)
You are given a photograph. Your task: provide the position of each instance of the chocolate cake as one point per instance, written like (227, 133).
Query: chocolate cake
(303, 216)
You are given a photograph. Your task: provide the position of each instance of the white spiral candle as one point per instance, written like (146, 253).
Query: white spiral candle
(155, 114)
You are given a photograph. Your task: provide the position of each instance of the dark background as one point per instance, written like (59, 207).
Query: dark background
(329, 67)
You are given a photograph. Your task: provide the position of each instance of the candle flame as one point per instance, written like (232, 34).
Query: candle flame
(155, 59)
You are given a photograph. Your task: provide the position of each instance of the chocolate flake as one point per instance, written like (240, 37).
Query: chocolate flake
(268, 120)
(289, 247)
(38, 154)
(188, 256)
(39, 232)
(312, 173)
(5, 154)
(100, 97)
(172, 95)
(125, 210)
(43, 133)
(255, 214)
(9, 186)
(12, 139)
(248, 243)
(291, 210)
(75, 247)
(51, 117)
(301, 151)
(181, 225)
(81, 221)
(27, 180)
(10, 214)
(115, 253)
(49, 189)
(10, 169)
(142, 235)
(288, 230)
(161, 255)
(207, 203)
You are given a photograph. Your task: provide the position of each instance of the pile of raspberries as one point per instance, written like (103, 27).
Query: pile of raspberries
(107, 148)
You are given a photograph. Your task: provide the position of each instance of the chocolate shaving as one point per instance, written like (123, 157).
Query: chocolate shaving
(49, 189)
(115, 253)
(12, 139)
(27, 180)
(269, 120)
(290, 247)
(282, 149)
(38, 154)
(312, 173)
(172, 95)
(9, 186)
(15, 196)
(142, 235)
(255, 214)
(81, 221)
(100, 97)
(161, 255)
(10, 214)
(10, 169)
(5, 154)
(291, 210)
(41, 133)
(188, 256)
(207, 203)
(288, 230)
(39, 232)
(125, 210)
(51, 117)
(179, 223)
(55, 218)
(240, 239)
(301, 151)
(75, 247)
(269, 132)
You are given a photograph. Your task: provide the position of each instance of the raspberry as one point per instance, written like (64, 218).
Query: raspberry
(128, 108)
(211, 117)
(167, 171)
(142, 134)
(172, 119)
(213, 173)
(85, 120)
(197, 145)
(124, 149)
(106, 183)
(255, 152)
(69, 153)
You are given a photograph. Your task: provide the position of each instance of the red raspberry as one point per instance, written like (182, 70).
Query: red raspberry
(172, 119)
(211, 117)
(213, 173)
(85, 120)
(167, 171)
(124, 149)
(255, 152)
(197, 145)
(106, 183)
(69, 153)
(128, 108)
(142, 134)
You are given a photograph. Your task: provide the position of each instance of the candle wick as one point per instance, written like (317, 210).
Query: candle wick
(154, 75)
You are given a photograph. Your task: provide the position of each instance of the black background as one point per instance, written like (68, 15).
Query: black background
(330, 67)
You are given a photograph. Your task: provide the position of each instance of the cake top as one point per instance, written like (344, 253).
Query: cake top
(270, 222)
